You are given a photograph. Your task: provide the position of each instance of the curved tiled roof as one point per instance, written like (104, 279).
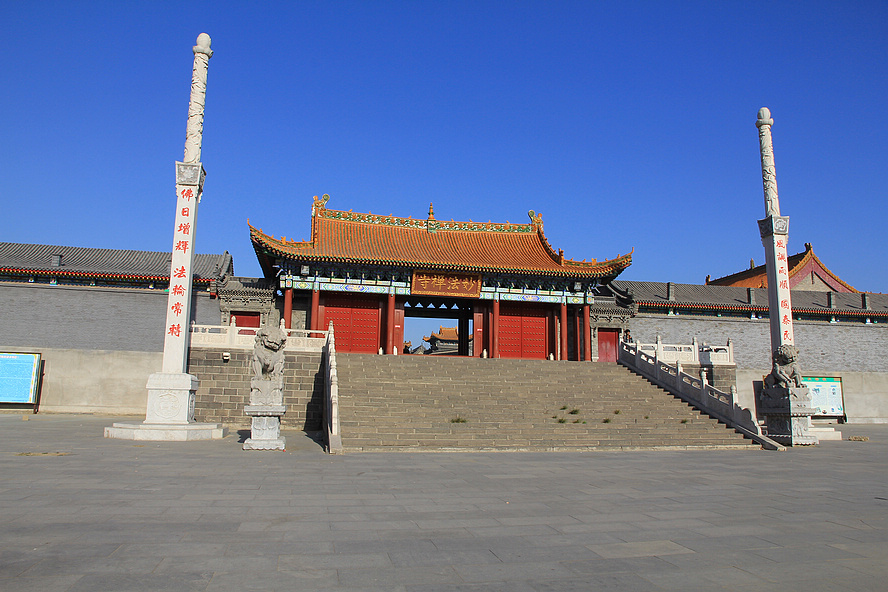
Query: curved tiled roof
(806, 261)
(347, 237)
(446, 334)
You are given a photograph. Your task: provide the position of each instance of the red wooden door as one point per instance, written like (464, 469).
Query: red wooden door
(607, 345)
(524, 331)
(356, 321)
(246, 319)
(399, 326)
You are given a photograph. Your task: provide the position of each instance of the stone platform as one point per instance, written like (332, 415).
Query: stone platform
(170, 432)
(84, 513)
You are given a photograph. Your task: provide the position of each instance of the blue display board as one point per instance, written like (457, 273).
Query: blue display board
(826, 395)
(19, 377)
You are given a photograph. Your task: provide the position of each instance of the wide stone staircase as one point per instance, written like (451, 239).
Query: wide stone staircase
(426, 403)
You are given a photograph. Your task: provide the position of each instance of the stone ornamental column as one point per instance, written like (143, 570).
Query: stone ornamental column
(170, 409)
(189, 187)
(785, 402)
(774, 230)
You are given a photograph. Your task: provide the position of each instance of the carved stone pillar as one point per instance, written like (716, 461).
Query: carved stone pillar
(784, 401)
(169, 413)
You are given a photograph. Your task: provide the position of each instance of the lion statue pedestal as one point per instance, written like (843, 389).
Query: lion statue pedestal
(266, 391)
(785, 401)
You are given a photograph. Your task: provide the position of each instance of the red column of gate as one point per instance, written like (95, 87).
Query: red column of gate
(495, 330)
(562, 321)
(390, 347)
(288, 307)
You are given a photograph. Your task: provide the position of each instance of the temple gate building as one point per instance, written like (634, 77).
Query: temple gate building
(366, 273)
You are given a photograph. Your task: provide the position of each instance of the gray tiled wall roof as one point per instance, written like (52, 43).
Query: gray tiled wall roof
(85, 260)
(656, 293)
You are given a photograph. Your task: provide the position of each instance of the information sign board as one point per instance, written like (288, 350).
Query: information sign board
(826, 395)
(19, 377)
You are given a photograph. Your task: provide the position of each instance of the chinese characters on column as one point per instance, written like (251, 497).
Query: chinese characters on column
(784, 305)
(178, 316)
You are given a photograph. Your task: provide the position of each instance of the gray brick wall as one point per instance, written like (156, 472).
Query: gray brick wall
(95, 318)
(824, 347)
(225, 388)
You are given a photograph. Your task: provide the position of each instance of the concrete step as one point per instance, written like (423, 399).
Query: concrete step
(409, 402)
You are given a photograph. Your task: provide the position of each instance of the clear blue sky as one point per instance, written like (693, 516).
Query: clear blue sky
(627, 124)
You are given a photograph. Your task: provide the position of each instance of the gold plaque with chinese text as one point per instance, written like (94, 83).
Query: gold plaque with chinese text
(441, 283)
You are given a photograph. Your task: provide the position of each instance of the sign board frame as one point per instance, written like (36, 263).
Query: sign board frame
(20, 375)
(827, 396)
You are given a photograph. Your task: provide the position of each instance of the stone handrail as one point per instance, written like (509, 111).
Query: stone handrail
(232, 337)
(714, 355)
(331, 388)
(698, 393)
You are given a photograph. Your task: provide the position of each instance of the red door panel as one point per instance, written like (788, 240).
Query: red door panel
(607, 345)
(356, 321)
(523, 331)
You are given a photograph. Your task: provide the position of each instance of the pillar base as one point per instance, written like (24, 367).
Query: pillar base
(788, 414)
(170, 413)
(171, 398)
(166, 432)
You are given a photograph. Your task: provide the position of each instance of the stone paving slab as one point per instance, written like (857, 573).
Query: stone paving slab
(79, 512)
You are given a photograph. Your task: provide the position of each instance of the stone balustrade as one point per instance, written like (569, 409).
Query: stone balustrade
(232, 337)
(705, 354)
(667, 374)
(331, 388)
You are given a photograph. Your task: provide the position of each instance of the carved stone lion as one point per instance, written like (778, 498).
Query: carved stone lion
(268, 353)
(785, 372)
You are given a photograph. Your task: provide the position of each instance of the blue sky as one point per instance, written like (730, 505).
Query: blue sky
(627, 124)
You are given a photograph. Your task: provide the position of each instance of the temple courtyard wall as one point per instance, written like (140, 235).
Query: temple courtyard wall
(98, 344)
(855, 352)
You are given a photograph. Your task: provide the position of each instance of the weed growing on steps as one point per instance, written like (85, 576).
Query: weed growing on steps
(458, 419)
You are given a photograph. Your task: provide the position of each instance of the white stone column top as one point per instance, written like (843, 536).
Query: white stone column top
(769, 175)
(203, 45)
(194, 131)
(764, 117)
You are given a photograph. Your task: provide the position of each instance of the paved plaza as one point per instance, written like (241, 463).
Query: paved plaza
(84, 514)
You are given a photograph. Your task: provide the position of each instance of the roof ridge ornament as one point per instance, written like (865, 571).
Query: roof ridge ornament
(319, 204)
(431, 223)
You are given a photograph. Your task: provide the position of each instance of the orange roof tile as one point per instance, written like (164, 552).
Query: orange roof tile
(446, 334)
(347, 237)
(756, 277)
